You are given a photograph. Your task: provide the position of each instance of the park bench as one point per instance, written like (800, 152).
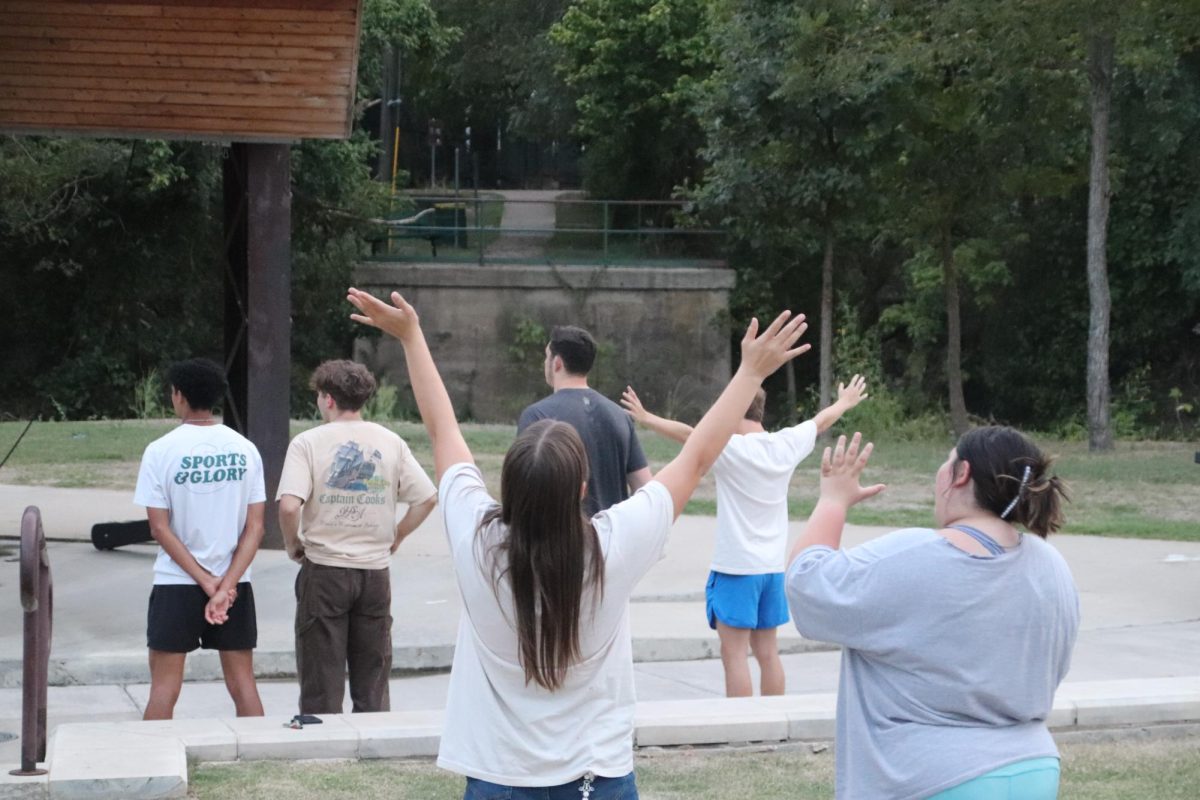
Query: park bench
(444, 222)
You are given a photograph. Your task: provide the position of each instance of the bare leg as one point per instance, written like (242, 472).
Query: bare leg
(166, 679)
(765, 647)
(735, 643)
(238, 668)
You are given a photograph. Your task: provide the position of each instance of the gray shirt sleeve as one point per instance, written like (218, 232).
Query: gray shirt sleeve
(529, 416)
(637, 458)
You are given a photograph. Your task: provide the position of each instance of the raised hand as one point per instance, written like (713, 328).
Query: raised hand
(398, 319)
(853, 393)
(633, 405)
(765, 353)
(841, 467)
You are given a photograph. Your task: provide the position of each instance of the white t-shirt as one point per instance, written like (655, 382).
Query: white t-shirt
(502, 730)
(205, 476)
(752, 475)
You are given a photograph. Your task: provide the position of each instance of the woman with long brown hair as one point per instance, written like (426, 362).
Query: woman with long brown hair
(541, 699)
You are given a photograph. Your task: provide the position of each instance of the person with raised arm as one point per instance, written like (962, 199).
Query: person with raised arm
(541, 699)
(954, 639)
(744, 598)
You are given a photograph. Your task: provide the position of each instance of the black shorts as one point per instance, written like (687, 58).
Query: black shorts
(175, 621)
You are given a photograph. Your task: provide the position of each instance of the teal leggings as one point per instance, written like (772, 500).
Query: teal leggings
(1034, 779)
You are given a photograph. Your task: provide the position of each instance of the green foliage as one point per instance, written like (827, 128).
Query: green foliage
(385, 405)
(634, 66)
(149, 397)
(111, 251)
(498, 69)
(528, 341)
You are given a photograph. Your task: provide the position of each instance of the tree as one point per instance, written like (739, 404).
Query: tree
(633, 65)
(788, 117)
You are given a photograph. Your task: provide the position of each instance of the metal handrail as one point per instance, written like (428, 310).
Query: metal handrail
(650, 227)
(37, 599)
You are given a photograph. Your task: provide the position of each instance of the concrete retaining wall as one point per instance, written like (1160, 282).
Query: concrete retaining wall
(662, 329)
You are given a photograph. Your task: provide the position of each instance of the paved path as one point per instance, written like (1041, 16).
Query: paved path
(1140, 599)
(530, 215)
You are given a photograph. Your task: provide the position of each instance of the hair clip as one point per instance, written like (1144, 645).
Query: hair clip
(1020, 490)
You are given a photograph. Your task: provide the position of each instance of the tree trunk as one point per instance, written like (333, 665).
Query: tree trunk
(826, 378)
(954, 379)
(1100, 73)
(792, 400)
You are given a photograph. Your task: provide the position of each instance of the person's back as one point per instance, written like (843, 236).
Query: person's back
(502, 728)
(954, 640)
(616, 462)
(351, 474)
(743, 597)
(541, 692)
(752, 476)
(342, 480)
(953, 660)
(205, 476)
(202, 487)
(608, 437)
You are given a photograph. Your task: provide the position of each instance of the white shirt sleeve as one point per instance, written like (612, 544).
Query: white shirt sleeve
(150, 491)
(636, 531)
(463, 499)
(801, 439)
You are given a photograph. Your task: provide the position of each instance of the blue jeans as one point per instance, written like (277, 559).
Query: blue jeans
(623, 788)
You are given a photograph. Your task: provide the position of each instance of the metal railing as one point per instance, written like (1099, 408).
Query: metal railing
(37, 599)
(495, 229)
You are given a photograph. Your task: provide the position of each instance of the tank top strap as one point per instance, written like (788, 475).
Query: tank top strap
(989, 544)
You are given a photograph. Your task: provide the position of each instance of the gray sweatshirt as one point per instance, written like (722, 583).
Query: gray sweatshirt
(950, 661)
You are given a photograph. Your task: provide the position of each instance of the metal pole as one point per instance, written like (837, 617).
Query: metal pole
(479, 223)
(456, 152)
(37, 600)
(605, 212)
(432, 165)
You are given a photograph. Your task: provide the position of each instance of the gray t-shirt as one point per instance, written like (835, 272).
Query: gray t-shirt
(608, 436)
(950, 661)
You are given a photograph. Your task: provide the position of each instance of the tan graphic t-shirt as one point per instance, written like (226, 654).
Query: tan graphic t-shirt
(350, 476)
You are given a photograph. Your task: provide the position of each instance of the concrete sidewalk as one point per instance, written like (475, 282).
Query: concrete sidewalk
(1141, 618)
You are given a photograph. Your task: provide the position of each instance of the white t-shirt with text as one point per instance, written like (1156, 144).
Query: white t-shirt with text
(205, 476)
(752, 476)
(501, 729)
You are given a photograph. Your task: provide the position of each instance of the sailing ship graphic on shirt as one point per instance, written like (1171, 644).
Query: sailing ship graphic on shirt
(353, 469)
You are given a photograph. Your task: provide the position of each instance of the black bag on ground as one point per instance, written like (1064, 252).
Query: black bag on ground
(110, 535)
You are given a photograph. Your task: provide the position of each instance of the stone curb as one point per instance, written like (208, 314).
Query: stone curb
(148, 759)
(130, 667)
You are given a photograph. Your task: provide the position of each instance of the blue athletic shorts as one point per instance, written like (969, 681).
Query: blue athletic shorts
(746, 601)
(1032, 779)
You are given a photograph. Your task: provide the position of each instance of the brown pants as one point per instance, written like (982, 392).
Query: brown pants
(343, 617)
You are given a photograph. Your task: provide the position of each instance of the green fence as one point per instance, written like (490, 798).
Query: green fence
(492, 229)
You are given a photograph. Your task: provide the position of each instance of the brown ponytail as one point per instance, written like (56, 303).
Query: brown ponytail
(999, 457)
(551, 551)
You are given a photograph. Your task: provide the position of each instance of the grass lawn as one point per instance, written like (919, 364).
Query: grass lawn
(1163, 770)
(1141, 490)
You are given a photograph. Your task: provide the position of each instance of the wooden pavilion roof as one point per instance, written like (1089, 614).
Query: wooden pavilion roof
(220, 70)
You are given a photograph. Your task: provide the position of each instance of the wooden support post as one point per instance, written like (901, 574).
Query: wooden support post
(258, 282)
